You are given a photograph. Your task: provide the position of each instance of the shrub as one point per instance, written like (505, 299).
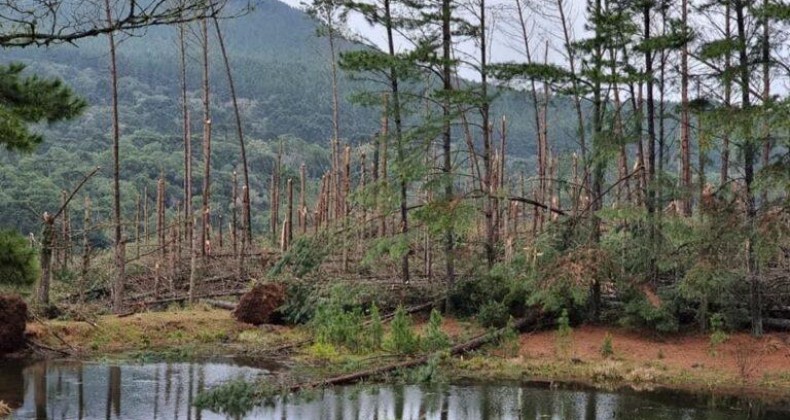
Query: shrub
(468, 296)
(564, 335)
(638, 312)
(435, 338)
(375, 331)
(323, 351)
(607, 350)
(402, 338)
(18, 262)
(334, 325)
(493, 315)
(509, 339)
(717, 335)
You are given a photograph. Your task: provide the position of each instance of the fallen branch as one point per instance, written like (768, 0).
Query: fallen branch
(35, 345)
(220, 304)
(54, 334)
(777, 323)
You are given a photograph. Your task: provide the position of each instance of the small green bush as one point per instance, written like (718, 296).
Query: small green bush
(607, 350)
(493, 315)
(375, 330)
(435, 339)
(564, 335)
(402, 338)
(334, 325)
(717, 336)
(509, 339)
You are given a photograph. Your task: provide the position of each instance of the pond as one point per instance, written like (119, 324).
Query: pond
(74, 390)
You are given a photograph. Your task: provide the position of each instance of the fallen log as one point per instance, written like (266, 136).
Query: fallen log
(456, 350)
(777, 323)
(220, 304)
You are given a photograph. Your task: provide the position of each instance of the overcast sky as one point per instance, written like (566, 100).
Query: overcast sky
(505, 38)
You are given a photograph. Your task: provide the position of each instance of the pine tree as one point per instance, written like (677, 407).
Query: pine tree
(26, 100)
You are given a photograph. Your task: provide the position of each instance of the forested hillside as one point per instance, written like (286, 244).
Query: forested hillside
(281, 69)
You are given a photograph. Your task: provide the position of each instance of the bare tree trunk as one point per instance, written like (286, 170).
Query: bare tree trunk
(289, 221)
(120, 257)
(47, 245)
(685, 152)
(346, 207)
(161, 236)
(577, 100)
(275, 197)
(65, 233)
(145, 214)
(239, 131)
(206, 211)
(765, 52)
(302, 202)
(752, 270)
(335, 88)
(233, 216)
(651, 147)
(400, 150)
(192, 263)
(86, 249)
(383, 176)
(539, 114)
(447, 146)
(187, 137)
(725, 147)
(488, 206)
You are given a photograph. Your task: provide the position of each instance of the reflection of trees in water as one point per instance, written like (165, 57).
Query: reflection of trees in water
(12, 390)
(73, 390)
(114, 392)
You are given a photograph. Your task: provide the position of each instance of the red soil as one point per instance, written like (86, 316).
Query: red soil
(769, 354)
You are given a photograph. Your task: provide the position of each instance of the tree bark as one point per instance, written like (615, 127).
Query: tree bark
(206, 211)
(120, 257)
(239, 131)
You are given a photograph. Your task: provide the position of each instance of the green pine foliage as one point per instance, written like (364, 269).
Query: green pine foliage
(607, 348)
(435, 339)
(375, 330)
(563, 337)
(18, 260)
(332, 324)
(402, 338)
(26, 100)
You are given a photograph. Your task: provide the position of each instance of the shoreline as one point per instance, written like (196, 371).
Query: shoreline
(201, 334)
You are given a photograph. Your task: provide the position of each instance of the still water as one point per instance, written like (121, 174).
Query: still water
(73, 390)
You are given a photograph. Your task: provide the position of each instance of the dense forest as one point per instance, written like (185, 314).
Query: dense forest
(635, 172)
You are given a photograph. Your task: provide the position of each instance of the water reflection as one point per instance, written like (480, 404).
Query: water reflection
(71, 390)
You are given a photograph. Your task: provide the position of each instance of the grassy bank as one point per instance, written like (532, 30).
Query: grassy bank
(183, 334)
(598, 356)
